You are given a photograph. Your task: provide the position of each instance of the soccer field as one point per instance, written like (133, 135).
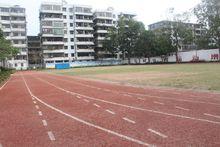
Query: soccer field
(190, 76)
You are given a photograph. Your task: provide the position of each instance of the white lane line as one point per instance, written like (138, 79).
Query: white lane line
(78, 97)
(138, 94)
(36, 106)
(34, 102)
(44, 122)
(141, 98)
(109, 111)
(157, 133)
(129, 120)
(86, 100)
(133, 107)
(88, 123)
(158, 103)
(181, 108)
(216, 116)
(97, 105)
(40, 113)
(5, 83)
(127, 95)
(51, 136)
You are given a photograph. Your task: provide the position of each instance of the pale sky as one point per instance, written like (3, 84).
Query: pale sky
(148, 11)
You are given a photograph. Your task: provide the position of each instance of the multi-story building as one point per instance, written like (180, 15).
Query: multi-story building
(83, 31)
(197, 31)
(35, 53)
(13, 24)
(67, 32)
(52, 33)
(103, 20)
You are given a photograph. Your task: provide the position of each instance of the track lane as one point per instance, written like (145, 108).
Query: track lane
(19, 122)
(169, 106)
(185, 125)
(165, 92)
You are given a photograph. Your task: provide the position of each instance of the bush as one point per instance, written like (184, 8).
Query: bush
(5, 73)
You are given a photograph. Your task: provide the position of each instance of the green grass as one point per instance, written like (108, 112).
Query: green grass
(190, 76)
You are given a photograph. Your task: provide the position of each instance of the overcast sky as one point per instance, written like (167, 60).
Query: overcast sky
(148, 11)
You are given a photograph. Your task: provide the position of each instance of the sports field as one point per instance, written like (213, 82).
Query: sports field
(190, 76)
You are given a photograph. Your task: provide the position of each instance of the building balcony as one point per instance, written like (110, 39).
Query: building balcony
(84, 28)
(18, 21)
(54, 51)
(84, 13)
(85, 50)
(84, 20)
(6, 30)
(103, 17)
(18, 30)
(20, 45)
(84, 35)
(84, 43)
(52, 43)
(18, 37)
(51, 35)
(55, 59)
(101, 38)
(104, 24)
(51, 11)
(52, 19)
(102, 31)
(86, 58)
(17, 14)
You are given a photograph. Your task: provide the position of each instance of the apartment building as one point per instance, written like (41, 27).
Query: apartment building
(103, 20)
(52, 33)
(35, 53)
(13, 24)
(197, 31)
(67, 32)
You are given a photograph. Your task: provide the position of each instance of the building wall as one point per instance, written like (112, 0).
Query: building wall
(13, 24)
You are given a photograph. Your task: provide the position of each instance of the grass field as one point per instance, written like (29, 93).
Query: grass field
(190, 76)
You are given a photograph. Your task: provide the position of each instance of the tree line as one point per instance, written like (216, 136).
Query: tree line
(130, 38)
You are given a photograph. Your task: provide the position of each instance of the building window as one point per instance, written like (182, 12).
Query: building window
(72, 47)
(64, 9)
(72, 39)
(64, 16)
(71, 24)
(65, 47)
(72, 54)
(71, 32)
(71, 17)
(70, 9)
(66, 55)
(16, 64)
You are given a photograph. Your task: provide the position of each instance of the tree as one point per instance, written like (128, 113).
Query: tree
(124, 37)
(110, 43)
(163, 46)
(6, 49)
(208, 13)
(145, 46)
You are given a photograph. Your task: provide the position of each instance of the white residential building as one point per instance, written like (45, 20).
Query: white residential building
(103, 20)
(13, 24)
(67, 32)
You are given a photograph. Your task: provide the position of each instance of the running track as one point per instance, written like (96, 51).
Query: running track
(40, 109)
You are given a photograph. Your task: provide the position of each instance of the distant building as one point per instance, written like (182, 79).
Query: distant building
(13, 24)
(35, 53)
(197, 31)
(103, 21)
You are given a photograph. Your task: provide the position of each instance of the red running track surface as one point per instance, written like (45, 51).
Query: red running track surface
(40, 109)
